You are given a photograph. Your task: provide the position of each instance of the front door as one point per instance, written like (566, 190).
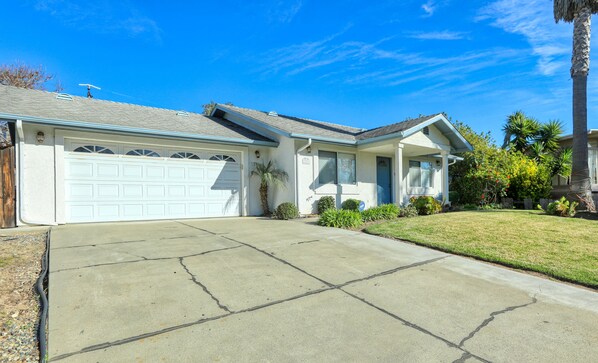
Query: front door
(383, 180)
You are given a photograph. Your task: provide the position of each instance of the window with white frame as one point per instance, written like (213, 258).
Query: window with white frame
(420, 174)
(336, 168)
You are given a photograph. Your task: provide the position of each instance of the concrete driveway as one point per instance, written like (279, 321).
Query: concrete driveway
(250, 289)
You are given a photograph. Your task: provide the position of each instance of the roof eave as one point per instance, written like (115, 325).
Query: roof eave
(138, 131)
(331, 140)
(395, 135)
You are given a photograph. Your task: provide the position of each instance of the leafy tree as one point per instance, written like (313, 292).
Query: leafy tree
(580, 13)
(24, 76)
(269, 174)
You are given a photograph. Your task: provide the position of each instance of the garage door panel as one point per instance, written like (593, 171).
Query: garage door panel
(108, 211)
(79, 169)
(78, 191)
(176, 173)
(108, 191)
(154, 172)
(155, 191)
(107, 171)
(132, 171)
(176, 191)
(116, 187)
(132, 191)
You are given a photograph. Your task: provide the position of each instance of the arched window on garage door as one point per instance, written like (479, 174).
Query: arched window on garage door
(185, 155)
(222, 157)
(93, 149)
(144, 152)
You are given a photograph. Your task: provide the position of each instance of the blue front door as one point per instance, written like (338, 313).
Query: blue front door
(384, 180)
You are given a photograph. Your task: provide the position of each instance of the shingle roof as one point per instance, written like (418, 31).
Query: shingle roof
(41, 104)
(391, 129)
(297, 125)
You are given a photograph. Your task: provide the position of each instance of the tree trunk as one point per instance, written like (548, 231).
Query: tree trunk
(264, 198)
(580, 65)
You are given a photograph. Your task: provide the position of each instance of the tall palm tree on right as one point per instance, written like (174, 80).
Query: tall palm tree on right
(580, 13)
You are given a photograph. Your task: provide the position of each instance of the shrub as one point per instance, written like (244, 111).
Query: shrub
(562, 207)
(384, 211)
(287, 211)
(351, 204)
(340, 218)
(454, 197)
(528, 178)
(326, 203)
(408, 211)
(426, 205)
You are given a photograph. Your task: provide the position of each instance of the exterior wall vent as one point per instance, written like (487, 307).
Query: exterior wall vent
(273, 114)
(182, 113)
(64, 96)
(426, 130)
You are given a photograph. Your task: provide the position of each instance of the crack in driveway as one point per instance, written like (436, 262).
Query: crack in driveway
(205, 289)
(492, 316)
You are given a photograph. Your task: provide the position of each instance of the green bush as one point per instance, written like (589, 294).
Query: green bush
(426, 205)
(351, 204)
(326, 203)
(562, 207)
(340, 218)
(408, 211)
(287, 211)
(384, 211)
(454, 197)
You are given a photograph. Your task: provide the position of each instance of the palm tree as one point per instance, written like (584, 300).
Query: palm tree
(549, 134)
(580, 13)
(269, 174)
(519, 131)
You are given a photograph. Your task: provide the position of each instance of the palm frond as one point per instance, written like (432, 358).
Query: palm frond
(565, 9)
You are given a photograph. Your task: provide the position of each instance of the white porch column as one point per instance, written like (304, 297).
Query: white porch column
(399, 174)
(445, 177)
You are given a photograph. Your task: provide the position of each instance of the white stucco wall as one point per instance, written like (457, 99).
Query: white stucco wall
(38, 194)
(310, 191)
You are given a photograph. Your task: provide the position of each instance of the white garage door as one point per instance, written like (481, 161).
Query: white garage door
(133, 182)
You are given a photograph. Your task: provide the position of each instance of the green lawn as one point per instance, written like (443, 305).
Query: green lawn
(564, 248)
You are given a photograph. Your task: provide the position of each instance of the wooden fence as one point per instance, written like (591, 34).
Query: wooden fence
(7, 187)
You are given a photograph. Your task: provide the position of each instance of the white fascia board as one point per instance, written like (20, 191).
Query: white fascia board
(138, 131)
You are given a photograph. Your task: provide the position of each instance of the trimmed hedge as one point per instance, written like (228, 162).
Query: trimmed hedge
(340, 218)
(286, 211)
(351, 204)
(326, 203)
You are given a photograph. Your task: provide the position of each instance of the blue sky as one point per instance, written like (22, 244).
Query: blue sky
(361, 63)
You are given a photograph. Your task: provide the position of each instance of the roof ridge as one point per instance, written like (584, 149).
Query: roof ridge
(405, 120)
(296, 117)
(101, 100)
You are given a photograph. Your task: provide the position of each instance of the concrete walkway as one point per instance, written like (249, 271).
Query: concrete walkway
(250, 289)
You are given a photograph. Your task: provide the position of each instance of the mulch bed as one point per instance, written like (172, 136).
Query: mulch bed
(20, 266)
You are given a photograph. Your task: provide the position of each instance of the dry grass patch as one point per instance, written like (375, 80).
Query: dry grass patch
(20, 266)
(564, 248)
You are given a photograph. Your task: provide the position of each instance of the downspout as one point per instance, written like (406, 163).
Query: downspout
(297, 170)
(22, 212)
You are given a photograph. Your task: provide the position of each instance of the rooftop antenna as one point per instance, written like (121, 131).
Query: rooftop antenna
(89, 87)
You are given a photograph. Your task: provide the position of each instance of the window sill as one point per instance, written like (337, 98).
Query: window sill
(344, 189)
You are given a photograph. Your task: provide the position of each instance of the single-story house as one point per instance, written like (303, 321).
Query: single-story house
(88, 160)
(560, 185)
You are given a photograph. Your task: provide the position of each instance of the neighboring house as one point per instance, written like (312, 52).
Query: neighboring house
(88, 160)
(560, 185)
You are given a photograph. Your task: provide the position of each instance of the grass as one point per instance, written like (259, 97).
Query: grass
(563, 248)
